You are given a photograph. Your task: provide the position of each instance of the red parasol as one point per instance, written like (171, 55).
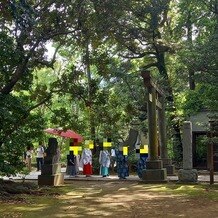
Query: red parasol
(65, 133)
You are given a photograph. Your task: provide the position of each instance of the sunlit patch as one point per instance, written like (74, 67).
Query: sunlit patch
(35, 208)
(122, 189)
(184, 187)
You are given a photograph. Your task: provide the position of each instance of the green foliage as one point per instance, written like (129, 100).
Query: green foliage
(201, 150)
(95, 88)
(8, 56)
(194, 102)
(203, 97)
(18, 130)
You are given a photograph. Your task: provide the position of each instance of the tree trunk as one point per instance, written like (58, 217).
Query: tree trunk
(91, 115)
(174, 122)
(191, 72)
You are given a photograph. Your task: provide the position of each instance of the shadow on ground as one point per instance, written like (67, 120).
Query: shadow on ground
(117, 199)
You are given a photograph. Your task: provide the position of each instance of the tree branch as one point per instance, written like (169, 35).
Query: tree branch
(146, 67)
(138, 56)
(52, 61)
(40, 103)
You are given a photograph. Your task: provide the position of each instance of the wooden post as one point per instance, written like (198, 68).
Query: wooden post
(211, 164)
(212, 133)
(210, 149)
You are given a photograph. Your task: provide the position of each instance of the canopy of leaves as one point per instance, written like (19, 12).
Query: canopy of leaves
(94, 86)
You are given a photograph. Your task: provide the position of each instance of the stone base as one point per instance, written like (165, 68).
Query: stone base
(51, 180)
(154, 172)
(51, 169)
(167, 163)
(154, 175)
(188, 176)
(170, 170)
(154, 164)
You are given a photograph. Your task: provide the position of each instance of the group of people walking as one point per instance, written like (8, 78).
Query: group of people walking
(74, 162)
(107, 159)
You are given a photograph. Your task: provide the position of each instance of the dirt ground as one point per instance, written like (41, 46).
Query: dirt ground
(116, 199)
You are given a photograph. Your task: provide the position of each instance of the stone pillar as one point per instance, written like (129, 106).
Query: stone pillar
(187, 174)
(152, 124)
(154, 171)
(167, 162)
(51, 170)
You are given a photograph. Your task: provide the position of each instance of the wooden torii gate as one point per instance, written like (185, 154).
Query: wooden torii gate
(156, 168)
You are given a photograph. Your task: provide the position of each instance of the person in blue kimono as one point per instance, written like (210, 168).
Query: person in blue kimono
(141, 164)
(122, 164)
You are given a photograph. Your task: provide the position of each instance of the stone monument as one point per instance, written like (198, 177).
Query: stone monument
(187, 174)
(51, 170)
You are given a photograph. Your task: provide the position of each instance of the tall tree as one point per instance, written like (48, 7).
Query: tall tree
(141, 32)
(25, 28)
(197, 53)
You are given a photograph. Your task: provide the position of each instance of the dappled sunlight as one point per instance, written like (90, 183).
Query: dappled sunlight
(118, 199)
(94, 208)
(138, 192)
(171, 188)
(134, 196)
